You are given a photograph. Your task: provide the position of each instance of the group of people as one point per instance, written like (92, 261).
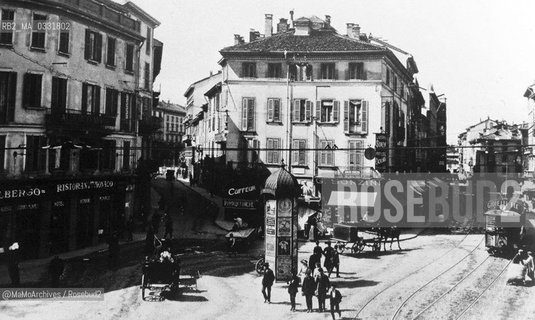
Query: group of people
(313, 280)
(522, 265)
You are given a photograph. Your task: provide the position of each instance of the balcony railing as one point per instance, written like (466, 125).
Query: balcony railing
(75, 120)
(103, 12)
(150, 125)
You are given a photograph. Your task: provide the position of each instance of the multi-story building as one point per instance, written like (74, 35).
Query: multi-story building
(313, 98)
(72, 92)
(168, 144)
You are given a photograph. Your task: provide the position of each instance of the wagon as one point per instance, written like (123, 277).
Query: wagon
(347, 238)
(159, 276)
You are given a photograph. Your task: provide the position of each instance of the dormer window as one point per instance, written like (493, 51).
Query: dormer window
(248, 70)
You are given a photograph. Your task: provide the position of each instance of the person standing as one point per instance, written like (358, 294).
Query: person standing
(530, 265)
(328, 253)
(312, 261)
(317, 249)
(231, 243)
(322, 286)
(55, 270)
(293, 287)
(13, 264)
(335, 298)
(308, 289)
(336, 262)
(267, 282)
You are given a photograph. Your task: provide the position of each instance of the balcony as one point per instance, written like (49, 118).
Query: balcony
(76, 121)
(150, 125)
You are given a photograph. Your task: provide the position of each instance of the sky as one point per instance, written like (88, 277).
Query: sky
(479, 53)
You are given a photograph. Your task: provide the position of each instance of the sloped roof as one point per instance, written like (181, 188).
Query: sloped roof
(171, 107)
(317, 41)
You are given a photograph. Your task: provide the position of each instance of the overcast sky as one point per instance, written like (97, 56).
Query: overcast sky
(479, 53)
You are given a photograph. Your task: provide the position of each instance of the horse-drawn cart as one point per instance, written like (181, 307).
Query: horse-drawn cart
(160, 274)
(347, 238)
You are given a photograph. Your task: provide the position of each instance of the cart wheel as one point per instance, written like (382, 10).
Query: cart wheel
(143, 287)
(259, 266)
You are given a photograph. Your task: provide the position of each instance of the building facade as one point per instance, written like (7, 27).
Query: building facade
(168, 143)
(72, 95)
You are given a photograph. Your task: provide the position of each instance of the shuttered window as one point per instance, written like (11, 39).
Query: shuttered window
(38, 33)
(326, 153)
(274, 110)
(328, 111)
(356, 71)
(302, 111)
(328, 71)
(8, 27)
(129, 61)
(35, 155)
(59, 95)
(2, 153)
(110, 52)
(8, 90)
(248, 114)
(273, 150)
(356, 116)
(299, 152)
(93, 46)
(356, 155)
(90, 99)
(112, 100)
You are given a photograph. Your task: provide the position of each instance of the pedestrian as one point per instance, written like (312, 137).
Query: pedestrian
(316, 274)
(317, 249)
(335, 298)
(322, 287)
(13, 264)
(168, 222)
(55, 270)
(267, 282)
(335, 262)
(303, 269)
(312, 261)
(308, 289)
(530, 265)
(519, 257)
(328, 253)
(231, 244)
(113, 250)
(293, 287)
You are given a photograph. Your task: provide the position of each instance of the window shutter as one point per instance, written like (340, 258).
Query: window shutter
(11, 96)
(84, 98)
(308, 111)
(244, 115)
(97, 100)
(277, 110)
(269, 147)
(87, 52)
(348, 70)
(365, 117)
(251, 115)
(335, 76)
(295, 152)
(55, 93)
(346, 116)
(98, 47)
(318, 111)
(270, 110)
(295, 111)
(27, 91)
(336, 111)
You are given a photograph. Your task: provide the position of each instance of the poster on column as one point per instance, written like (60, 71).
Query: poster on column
(284, 268)
(285, 208)
(271, 207)
(283, 247)
(284, 227)
(271, 243)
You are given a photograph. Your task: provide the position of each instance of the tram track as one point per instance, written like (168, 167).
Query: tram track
(418, 270)
(414, 293)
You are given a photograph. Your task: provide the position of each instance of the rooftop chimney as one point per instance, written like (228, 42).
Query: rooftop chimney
(238, 39)
(282, 26)
(292, 17)
(269, 24)
(328, 19)
(302, 27)
(254, 35)
(356, 31)
(350, 29)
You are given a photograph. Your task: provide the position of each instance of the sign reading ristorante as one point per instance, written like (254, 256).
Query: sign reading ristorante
(41, 188)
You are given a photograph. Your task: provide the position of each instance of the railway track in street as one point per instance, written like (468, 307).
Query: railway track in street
(418, 270)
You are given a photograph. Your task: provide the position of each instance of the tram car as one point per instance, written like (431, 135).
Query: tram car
(509, 226)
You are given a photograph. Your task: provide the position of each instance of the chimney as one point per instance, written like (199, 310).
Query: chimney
(282, 26)
(302, 27)
(253, 35)
(328, 20)
(269, 25)
(237, 39)
(350, 29)
(292, 17)
(356, 31)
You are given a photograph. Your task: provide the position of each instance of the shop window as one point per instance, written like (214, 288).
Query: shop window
(59, 227)
(27, 229)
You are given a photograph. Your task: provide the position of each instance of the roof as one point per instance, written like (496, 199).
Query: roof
(142, 13)
(317, 41)
(192, 86)
(173, 107)
(280, 184)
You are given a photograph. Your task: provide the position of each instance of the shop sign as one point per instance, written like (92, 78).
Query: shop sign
(239, 204)
(85, 185)
(238, 191)
(381, 152)
(21, 193)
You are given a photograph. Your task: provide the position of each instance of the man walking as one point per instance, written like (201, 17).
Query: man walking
(267, 282)
(309, 286)
(322, 286)
(293, 287)
(312, 261)
(335, 298)
(328, 253)
(335, 262)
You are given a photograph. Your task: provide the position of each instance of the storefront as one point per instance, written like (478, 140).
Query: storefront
(242, 201)
(51, 216)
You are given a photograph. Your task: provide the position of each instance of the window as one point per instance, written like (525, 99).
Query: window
(59, 95)
(300, 72)
(274, 70)
(248, 70)
(356, 155)
(248, 114)
(395, 83)
(8, 27)
(356, 71)
(108, 155)
(90, 99)
(2, 153)
(147, 75)
(299, 152)
(274, 110)
(148, 45)
(38, 34)
(387, 77)
(110, 52)
(8, 91)
(93, 46)
(112, 102)
(302, 111)
(356, 116)
(328, 111)
(126, 155)
(64, 40)
(253, 147)
(32, 90)
(326, 153)
(129, 62)
(328, 71)
(35, 155)
(273, 150)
